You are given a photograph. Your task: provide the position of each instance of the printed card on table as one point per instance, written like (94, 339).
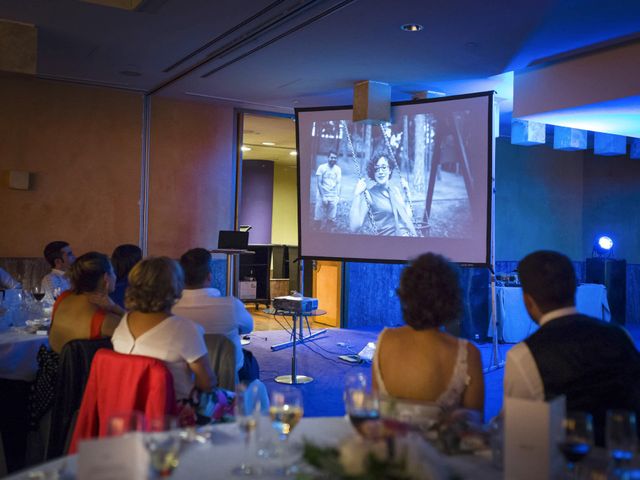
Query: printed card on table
(113, 458)
(532, 430)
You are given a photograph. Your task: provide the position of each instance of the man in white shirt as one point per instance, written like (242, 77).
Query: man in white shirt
(328, 185)
(593, 363)
(204, 305)
(60, 257)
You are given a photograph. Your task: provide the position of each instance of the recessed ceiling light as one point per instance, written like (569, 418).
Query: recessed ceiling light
(293, 153)
(411, 27)
(268, 144)
(245, 149)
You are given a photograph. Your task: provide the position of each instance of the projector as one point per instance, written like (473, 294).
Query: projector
(295, 304)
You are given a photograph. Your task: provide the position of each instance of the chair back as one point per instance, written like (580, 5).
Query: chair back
(75, 364)
(222, 358)
(122, 383)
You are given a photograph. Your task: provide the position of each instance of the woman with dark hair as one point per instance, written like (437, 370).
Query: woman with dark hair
(123, 258)
(423, 369)
(85, 311)
(150, 329)
(384, 203)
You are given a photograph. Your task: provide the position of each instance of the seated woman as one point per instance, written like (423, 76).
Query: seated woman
(149, 329)
(123, 258)
(85, 311)
(383, 203)
(421, 369)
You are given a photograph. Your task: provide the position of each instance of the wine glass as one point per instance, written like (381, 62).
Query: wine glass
(247, 412)
(621, 437)
(163, 442)
(38, 293)
(362, 407)
(578, 440)
(285, 410)
(125, 422)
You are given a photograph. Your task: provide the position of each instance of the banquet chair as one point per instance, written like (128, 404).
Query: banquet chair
(122, 383)
(222, 358)
(75, 364)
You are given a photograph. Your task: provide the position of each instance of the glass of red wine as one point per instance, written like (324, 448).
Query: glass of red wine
(38, 293)
(362, 405)
(578, 440)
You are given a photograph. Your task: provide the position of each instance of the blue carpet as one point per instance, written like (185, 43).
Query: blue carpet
(319, 359)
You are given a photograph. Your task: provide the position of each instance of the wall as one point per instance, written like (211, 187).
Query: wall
(191, 175)
(539, 201)
(82, 145)
(285, 206)
(256, 199)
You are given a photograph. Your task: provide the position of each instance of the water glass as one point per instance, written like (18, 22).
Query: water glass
(126, 422)
(621, 436)
(247, 413)
(163, 442)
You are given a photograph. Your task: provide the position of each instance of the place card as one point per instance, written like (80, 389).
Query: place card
(113, 458)
(532, 430)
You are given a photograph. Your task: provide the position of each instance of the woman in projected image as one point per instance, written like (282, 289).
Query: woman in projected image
(383, 204)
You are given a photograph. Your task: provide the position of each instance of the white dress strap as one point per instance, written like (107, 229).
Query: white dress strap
(452, 396)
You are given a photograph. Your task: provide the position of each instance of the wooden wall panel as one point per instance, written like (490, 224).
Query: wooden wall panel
(82, 145)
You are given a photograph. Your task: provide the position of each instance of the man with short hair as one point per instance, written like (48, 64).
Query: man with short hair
(204, 305)
(60, 257)
(328, 184)
(595, 364)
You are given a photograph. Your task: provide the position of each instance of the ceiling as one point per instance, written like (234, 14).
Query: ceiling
(276, 55)
(278, 130)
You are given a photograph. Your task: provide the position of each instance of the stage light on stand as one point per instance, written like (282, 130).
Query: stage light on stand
(603, 247)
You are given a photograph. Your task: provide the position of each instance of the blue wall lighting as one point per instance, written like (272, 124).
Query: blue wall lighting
(565, 138)
(525, 132)
(603, 246)
(608, 144)
(635, 149)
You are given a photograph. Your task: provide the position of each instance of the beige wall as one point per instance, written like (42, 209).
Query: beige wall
(191, 178)
(284, 228)
(82, 145)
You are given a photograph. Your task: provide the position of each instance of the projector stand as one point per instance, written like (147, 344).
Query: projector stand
(496, 362)
(297, 337)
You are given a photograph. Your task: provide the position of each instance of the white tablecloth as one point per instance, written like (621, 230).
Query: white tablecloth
(18, 349)
(216, 460)
(514, 323)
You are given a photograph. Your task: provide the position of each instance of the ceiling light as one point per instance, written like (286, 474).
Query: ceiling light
(411, 27)
(245, 149)
(268, 144)
(293, 153)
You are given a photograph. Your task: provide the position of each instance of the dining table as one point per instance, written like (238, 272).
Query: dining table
(224, 449)
(20, 342)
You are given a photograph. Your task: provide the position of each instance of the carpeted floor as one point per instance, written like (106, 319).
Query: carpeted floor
(319, 359)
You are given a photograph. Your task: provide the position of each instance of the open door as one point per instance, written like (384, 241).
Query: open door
(327, 285)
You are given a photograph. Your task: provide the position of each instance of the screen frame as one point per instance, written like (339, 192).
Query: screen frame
(490, 193)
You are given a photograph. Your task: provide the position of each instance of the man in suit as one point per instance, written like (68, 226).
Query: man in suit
(595, 364)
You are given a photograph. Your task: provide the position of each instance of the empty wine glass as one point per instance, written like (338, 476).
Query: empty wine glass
(163, 442)
(621, 437)
(578, 440)
(247, 412)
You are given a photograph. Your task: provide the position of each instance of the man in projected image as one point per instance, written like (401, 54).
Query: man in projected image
(383, 203)
(328, 183)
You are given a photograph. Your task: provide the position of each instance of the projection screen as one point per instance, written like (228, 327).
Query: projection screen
(389, 192)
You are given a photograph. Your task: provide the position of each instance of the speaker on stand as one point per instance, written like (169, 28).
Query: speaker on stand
(612, 274)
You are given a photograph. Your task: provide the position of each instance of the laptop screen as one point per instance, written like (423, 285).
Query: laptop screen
(231, 239)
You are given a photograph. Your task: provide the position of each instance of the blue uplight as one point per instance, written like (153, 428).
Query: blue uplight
(603, 246)
(605, 243)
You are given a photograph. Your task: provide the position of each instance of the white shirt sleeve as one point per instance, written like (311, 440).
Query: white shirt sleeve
(243, 317)
(189, 339)
(521, 376)
(7, 281)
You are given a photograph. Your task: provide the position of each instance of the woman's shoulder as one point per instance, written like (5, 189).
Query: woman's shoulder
(183, 325)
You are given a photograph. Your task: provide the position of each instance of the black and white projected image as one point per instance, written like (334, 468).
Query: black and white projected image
(407, 179)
